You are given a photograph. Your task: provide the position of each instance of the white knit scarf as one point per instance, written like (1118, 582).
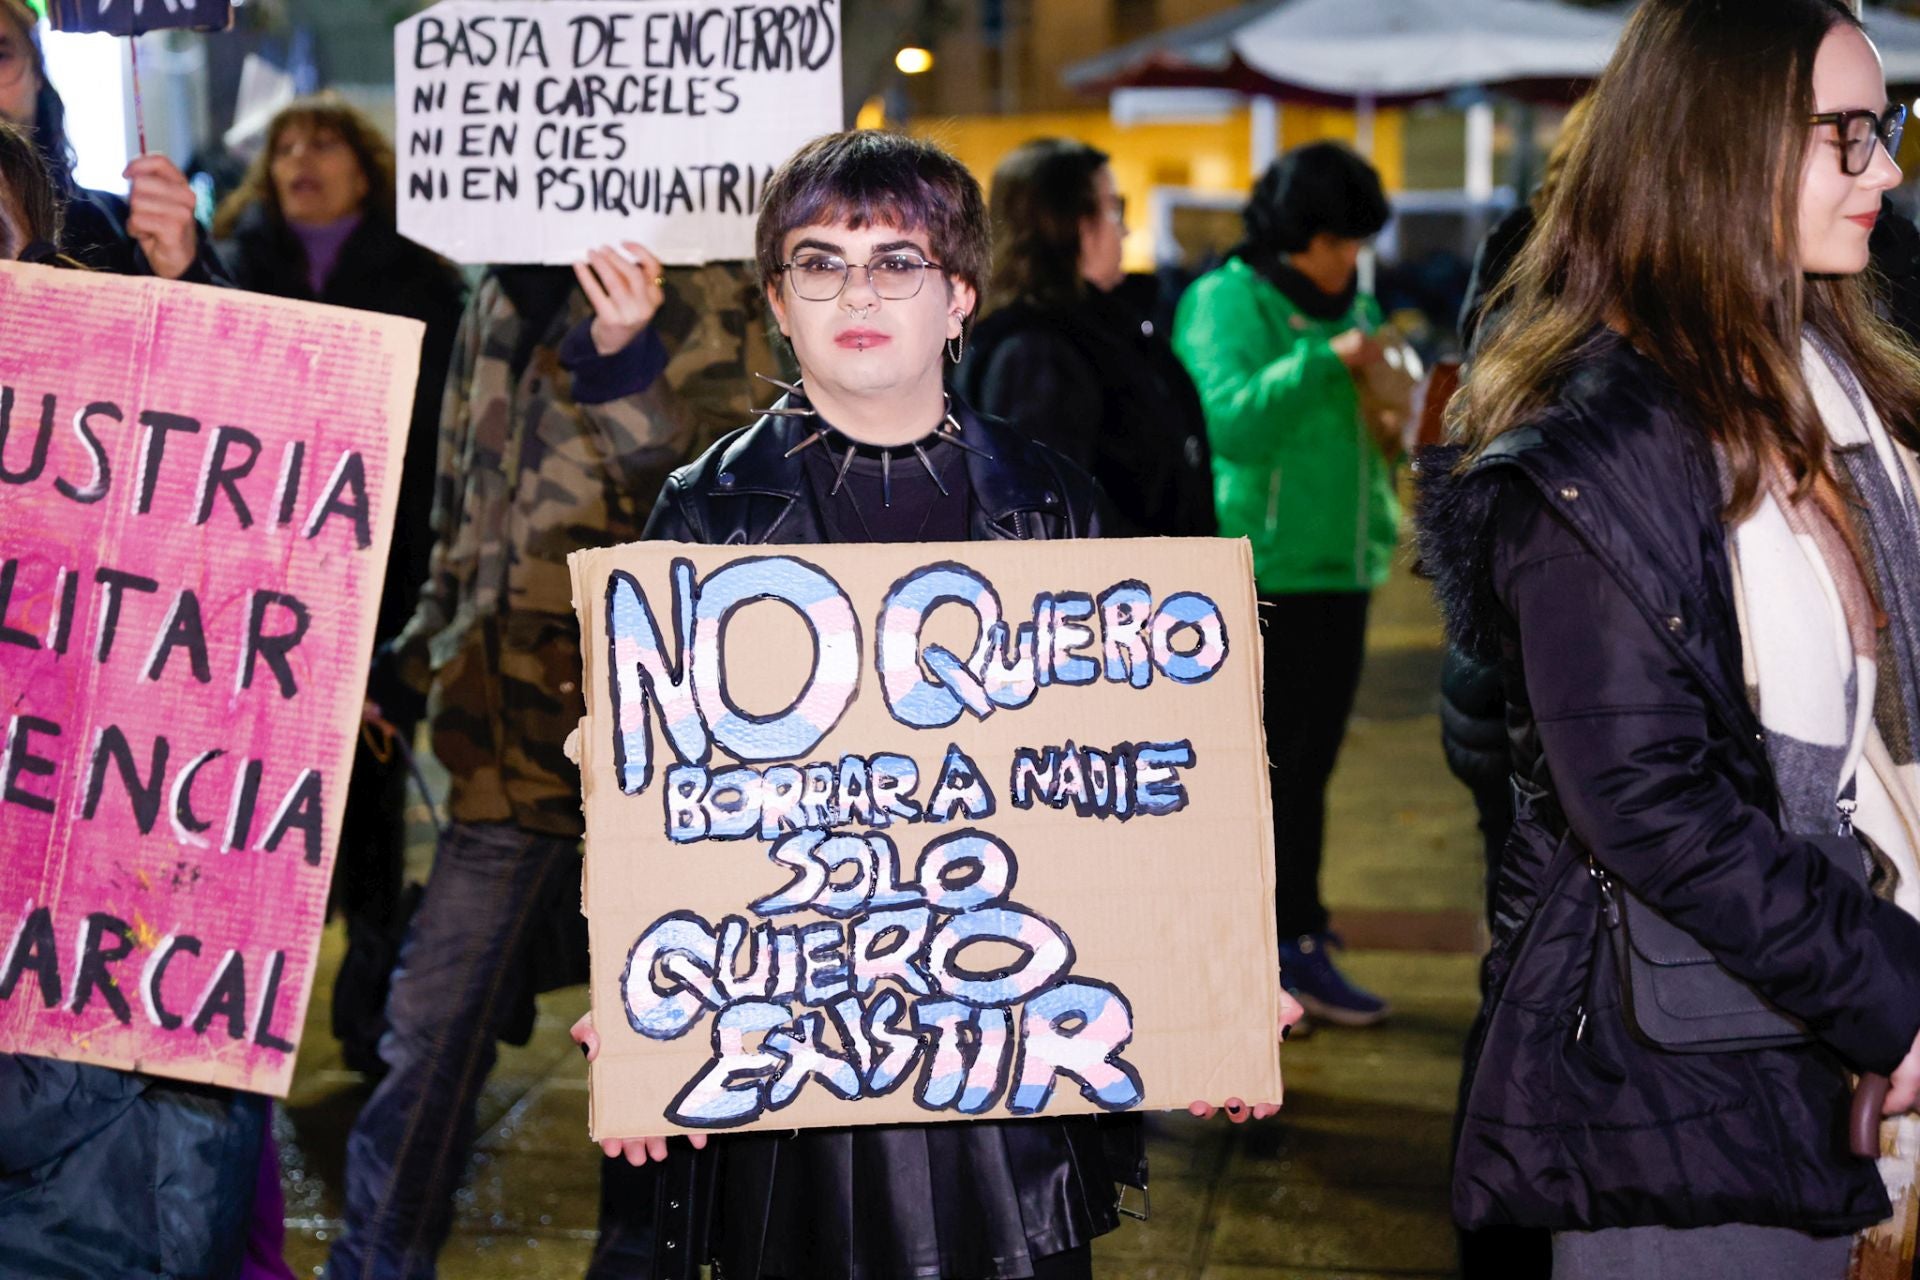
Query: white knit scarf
(1815, 662)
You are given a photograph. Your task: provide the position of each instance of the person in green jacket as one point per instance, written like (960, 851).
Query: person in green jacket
(1275, 339)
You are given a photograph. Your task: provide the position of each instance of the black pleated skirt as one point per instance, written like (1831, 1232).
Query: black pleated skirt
(975, 1200)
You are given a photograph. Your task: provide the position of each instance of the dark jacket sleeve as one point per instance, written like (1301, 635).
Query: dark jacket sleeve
(1632, 751)
(672, 518)
(1037, 381)
(96, 235)
(599, 379)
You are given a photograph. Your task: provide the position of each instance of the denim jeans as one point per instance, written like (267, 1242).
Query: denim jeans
(410, 1144)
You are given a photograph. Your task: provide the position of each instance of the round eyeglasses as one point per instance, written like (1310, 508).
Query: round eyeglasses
(822, 277)
(1860, 130)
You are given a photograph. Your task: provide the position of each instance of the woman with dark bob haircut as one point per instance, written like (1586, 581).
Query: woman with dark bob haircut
(1681, 519)
(872, 247)
(1065, 357)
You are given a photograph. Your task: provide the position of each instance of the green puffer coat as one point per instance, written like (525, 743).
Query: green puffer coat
(1294, 468)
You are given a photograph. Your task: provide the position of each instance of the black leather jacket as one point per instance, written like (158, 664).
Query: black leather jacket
(1054, 1186)
(746, 490)
(1585, 554)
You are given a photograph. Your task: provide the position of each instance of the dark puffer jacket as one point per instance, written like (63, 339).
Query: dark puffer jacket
(1584, 553)
(113, 1173)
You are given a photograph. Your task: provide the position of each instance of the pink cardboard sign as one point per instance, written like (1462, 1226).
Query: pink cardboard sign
(196, 497)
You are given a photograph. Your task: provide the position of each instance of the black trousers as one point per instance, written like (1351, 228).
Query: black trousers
(1315, 644)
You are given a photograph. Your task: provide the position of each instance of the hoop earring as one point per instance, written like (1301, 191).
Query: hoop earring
(958, 348)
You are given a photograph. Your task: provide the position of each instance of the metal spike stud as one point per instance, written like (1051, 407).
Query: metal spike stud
(777, 411)
(886, 478)
(841, 478)
(804, 443)
(960, 442)
(933, 475)
(787, 387)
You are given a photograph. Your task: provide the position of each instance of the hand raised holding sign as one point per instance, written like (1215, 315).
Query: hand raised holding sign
(161, 216)
(625, 288)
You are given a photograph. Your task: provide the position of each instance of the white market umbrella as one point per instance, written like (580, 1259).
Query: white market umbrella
(1897, 36)
(1411, 48)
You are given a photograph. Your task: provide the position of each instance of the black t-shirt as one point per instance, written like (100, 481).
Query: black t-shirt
(918, 511)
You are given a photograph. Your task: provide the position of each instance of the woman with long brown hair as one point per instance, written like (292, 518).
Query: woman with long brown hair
(1682, 519)
(1066, 351)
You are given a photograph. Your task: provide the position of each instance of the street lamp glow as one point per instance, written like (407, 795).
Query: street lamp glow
(913, 60)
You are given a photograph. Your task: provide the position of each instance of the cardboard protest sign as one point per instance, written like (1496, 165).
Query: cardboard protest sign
(134, 17)
(924, 832)
(196, 496)
(534, 130)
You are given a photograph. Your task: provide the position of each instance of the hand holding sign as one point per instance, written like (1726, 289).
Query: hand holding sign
(162, 215)
(626, 288)
(839, 873)
(637, 1150)
(1237, 1111)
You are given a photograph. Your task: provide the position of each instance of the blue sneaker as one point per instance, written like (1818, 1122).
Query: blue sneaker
(1307, 972)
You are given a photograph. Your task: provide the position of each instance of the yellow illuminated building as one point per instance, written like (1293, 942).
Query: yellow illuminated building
(1208, 158)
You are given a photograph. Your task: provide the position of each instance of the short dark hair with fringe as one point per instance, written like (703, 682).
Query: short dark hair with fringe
(1322, 186)
(867, 177)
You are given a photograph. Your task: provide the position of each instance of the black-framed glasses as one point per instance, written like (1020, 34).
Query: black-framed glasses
(1860, 130)
(822, 277)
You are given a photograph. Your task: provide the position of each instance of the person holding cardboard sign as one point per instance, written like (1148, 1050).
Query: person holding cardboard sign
(110, 1172)
(871, 247)
(558, 429)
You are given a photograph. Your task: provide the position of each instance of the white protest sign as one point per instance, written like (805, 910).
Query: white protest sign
(534, 130)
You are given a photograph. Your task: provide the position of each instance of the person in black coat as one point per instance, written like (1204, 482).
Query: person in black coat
(1619, 421)
(1068, 354)
(314, 221)
(871, 246)
(106, 1172)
